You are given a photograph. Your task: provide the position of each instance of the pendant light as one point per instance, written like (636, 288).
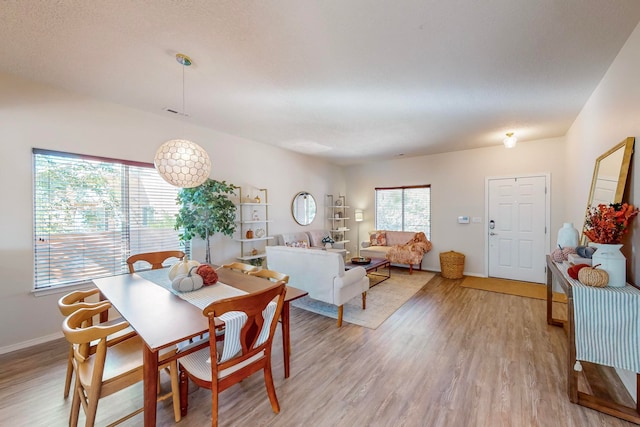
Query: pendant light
(510, 140)
(181, 162)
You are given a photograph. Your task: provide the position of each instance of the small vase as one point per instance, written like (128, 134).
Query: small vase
(249, 234)
(612, 261)
(568, 236)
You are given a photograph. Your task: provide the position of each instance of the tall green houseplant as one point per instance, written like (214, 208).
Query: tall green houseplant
(206, 210)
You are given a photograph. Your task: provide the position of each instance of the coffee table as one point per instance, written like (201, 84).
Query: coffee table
(372, 268)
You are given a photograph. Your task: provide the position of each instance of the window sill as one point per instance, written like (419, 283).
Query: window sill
(62, 289)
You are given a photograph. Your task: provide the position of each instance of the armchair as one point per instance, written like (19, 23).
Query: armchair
(410, 252)
(321, 273)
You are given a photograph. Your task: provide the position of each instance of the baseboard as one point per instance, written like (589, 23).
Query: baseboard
(30, 343)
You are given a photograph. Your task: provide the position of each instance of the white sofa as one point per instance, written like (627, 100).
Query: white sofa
(310, 239)
(321, 273)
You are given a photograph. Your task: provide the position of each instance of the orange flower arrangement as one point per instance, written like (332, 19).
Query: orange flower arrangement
(608, 224)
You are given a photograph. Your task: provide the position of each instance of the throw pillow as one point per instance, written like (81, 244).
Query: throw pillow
(378, 238)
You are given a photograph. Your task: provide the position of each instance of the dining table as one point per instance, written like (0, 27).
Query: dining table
(163, 319)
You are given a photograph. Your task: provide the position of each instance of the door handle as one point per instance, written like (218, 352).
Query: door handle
(493, 234)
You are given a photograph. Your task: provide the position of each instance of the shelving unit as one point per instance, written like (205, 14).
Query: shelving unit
(253, 214)
(337, 218)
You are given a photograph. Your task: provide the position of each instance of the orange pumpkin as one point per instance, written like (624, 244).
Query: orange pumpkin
(574, 269)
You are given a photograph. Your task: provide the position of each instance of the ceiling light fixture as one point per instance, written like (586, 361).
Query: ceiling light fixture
(510, 140)
(181, 162)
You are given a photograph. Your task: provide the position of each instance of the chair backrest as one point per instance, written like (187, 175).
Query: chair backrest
(239, 266)
(78, 330)
(274, 276)
(154, 258)
(250, 324)
(75, 300)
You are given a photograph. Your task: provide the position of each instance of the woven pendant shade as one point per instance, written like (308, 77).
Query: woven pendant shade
(182, 163)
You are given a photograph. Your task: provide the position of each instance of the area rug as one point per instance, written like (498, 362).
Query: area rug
(511, 287)
(383, 299)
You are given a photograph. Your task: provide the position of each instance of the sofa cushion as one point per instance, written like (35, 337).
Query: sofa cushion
(399, 237)
(316, 236)
(375, 251)
(289, 239)
(378, 238)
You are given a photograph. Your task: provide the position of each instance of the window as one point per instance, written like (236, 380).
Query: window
(91, 213)
(404, 209)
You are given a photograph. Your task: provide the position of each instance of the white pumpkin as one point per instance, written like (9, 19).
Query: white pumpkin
(182, 267)
(187, 282)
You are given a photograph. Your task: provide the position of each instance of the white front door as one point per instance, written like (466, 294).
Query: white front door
(517, 228)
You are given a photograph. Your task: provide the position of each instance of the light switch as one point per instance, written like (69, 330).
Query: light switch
(476, 220)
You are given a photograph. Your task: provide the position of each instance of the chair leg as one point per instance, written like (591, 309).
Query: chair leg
(75, 405)
(93, 396)
(175, 390)
(364, 300)
(184, 389)
(67, 381)
(271, 390)
(340, 310)
(214, 403)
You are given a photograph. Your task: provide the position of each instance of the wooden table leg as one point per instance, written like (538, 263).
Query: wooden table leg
(150, 375)
(286, 339)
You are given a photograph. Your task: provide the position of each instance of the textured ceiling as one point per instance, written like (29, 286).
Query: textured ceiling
(349, 81)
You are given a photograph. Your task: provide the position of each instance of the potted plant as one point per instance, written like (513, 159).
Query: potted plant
(206, 210)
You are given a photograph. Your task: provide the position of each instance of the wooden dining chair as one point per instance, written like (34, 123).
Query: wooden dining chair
(154, 258)
(272, 275)
(245, 350)
(239, 266)
(110, 368)
(74, 301)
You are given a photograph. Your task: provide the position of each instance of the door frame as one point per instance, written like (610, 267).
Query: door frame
(547, 220)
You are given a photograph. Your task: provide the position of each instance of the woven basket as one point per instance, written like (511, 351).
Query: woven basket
(452, 265)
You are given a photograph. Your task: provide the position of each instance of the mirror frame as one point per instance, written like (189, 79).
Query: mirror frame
(627, 144)
(294, 212)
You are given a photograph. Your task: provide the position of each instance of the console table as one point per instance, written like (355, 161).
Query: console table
(603, 402)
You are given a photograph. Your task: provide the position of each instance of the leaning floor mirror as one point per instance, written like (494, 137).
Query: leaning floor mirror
(610, 176)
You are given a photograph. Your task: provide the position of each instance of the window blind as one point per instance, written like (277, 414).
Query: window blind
(91, 214)
(404, 209)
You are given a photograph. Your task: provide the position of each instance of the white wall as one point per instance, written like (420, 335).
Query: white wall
(33, 115)
(611, 114)
(457, 182)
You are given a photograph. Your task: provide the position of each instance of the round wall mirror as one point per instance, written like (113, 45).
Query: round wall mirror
(303, 208)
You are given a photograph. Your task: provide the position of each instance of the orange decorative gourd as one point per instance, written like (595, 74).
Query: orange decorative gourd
(208, 273)
(575, 269)
(593, 276)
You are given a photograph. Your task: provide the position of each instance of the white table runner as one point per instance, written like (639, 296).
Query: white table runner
(607, 324)
(200, 298)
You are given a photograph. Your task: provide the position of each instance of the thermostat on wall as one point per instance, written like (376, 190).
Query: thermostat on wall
(463, 220)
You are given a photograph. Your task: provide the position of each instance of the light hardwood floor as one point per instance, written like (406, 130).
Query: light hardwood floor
(450, 356)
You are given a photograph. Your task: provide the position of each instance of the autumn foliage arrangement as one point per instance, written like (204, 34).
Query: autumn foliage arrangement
(609, 223)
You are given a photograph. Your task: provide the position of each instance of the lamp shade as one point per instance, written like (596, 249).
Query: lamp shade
(358, 215)
(182, 163)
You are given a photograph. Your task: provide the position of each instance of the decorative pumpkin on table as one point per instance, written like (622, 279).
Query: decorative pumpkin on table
(182, 267)
(593, 276)
(208, 274)
(187, 282)
(575, 269)
(562, 254)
